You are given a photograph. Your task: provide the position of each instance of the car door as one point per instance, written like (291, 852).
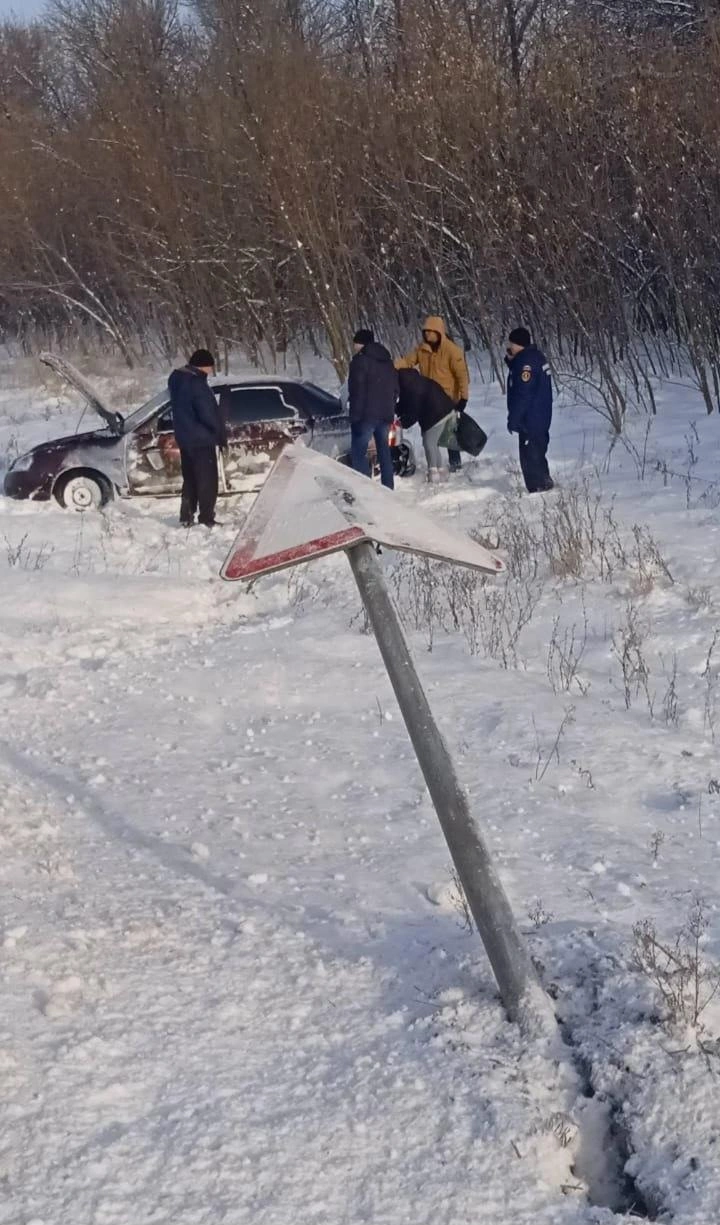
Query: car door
(153, 456)
(259, 422)
(330, 420)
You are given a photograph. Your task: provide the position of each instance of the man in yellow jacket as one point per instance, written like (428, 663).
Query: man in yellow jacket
(443, 362)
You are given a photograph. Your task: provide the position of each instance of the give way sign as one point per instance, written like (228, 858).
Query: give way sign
(311, 505)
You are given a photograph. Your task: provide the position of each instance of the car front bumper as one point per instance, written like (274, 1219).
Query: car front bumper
(27, 484)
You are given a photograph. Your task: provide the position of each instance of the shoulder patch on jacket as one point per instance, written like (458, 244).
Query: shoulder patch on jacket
(526, 374)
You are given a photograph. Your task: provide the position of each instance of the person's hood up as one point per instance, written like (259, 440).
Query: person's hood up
(376, 352)
(434, 323)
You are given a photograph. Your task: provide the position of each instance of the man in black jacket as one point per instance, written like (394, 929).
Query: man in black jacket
(199, 431)
(373, 392)
(423, 402)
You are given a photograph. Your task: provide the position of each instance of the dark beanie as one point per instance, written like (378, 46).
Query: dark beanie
(520, 336)
(364, 336)
(202, 357)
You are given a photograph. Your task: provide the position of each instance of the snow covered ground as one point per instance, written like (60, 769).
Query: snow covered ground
(236, 981)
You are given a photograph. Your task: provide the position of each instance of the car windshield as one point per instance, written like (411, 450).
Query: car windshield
(133, 420)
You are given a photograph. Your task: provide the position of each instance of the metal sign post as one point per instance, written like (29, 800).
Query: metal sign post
(516, 978)
(309, 507)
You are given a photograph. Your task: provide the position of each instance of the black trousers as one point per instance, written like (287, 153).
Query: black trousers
(200, 485)
(533, 461)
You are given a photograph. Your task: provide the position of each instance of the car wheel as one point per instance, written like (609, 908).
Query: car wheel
(405, 462)
(83, 491)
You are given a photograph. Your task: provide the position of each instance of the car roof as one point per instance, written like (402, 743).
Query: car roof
(143, 411)
(250, 380)
(264, 380)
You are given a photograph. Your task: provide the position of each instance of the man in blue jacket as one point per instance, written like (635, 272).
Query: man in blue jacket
(199, 430)
(529, 402)
(373, 392)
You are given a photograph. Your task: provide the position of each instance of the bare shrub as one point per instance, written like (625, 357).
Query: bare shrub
(576, 535)
(361, 620)
(562, 1127)
(298, 588)
(700, 599)
(710, 676)
(460, 902)
(670, 706)
(23, 556)
(538, 915)
(647, 559)
(656, 841)
(584, 774)
(685, 980)
(12, 450)
(544, 760)
(628, 644)
(508, 609)
(491, 614)
(419, 593)
(567, 531)
(565, 654)
(513, 531)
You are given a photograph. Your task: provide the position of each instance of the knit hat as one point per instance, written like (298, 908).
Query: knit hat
(364, 336)
(520, 336)
(201, 358)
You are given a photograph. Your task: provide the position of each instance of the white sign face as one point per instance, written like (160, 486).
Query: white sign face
(311, 505)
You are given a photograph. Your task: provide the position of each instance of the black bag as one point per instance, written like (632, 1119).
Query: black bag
(470, 437)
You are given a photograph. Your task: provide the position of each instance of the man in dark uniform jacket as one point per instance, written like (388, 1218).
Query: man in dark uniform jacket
(529, 403)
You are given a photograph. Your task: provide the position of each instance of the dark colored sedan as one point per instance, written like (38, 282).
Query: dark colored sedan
(138, 454)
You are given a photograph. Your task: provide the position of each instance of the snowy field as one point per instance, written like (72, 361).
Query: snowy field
(237, 983)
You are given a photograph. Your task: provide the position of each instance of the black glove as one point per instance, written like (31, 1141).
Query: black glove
(461, 406)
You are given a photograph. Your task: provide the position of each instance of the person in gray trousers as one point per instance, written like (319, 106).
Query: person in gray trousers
(423, 402)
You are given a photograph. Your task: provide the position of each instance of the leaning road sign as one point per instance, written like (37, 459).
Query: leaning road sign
(311, 505)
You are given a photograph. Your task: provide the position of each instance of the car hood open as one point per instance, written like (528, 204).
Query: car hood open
(67, 371)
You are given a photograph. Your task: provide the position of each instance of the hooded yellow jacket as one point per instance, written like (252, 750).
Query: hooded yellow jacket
(445, 365)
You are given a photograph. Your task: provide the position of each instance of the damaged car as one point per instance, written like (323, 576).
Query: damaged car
(137, 454)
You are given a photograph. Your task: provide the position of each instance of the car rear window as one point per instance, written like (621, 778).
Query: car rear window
(244, 405)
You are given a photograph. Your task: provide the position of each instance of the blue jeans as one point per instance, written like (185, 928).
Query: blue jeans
(361, 432)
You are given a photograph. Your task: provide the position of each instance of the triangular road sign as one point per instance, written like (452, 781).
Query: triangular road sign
(311, 505)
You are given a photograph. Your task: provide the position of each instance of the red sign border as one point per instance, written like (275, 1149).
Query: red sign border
(244, 565)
